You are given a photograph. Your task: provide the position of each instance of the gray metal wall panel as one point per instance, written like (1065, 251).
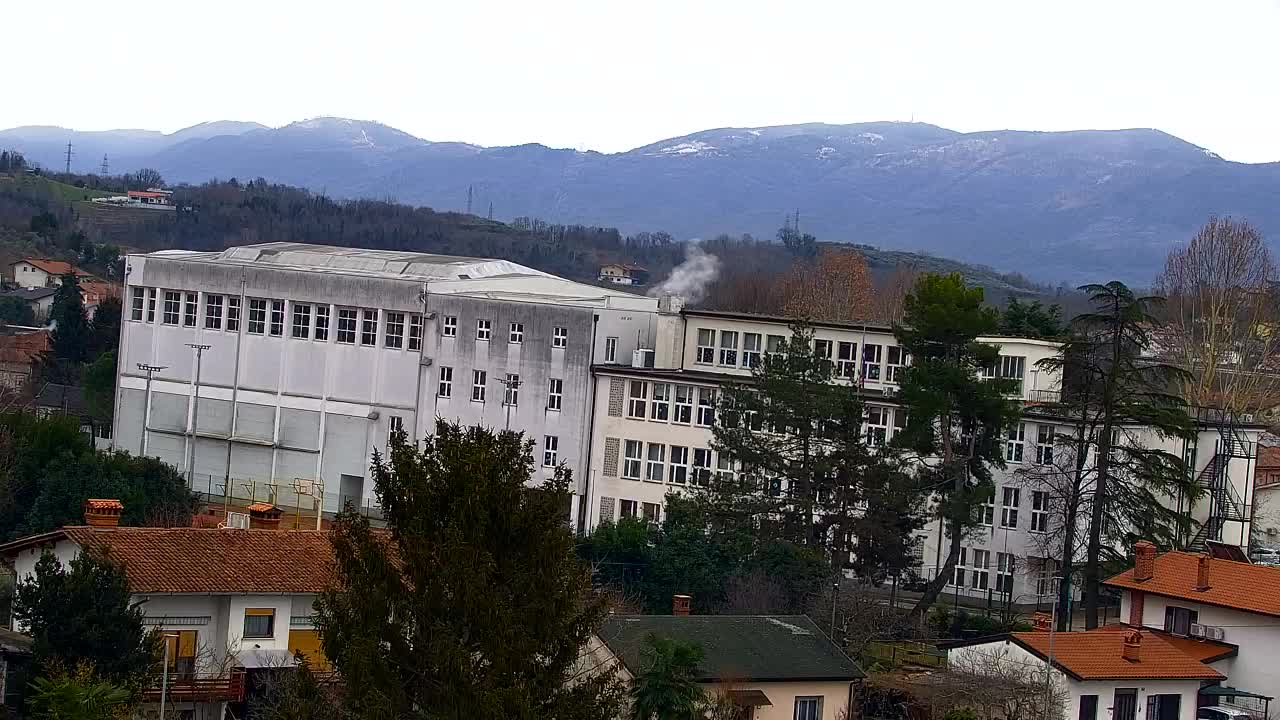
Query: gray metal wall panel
(300, 429)
(214, 416)
(291, 464)
(168, 411)
(250, 462)
(255, 421)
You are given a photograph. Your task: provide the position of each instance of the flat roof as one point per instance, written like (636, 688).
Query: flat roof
(443, 274)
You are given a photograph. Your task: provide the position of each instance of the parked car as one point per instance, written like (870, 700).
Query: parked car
(1266, 556)
(1219, 712)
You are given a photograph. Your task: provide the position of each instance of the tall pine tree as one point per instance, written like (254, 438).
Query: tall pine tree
(70, 324)
(472, 604)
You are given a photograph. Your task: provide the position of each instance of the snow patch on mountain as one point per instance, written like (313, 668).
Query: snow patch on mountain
(693, 147)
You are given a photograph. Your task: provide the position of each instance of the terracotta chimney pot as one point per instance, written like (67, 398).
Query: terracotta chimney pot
(1132, 647)
(1202, 572)
(680, 604)
(101, 512)
(1144, 560)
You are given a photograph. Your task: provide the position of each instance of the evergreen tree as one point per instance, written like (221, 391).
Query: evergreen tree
(85, 614)
(104, 330)
(667, 687)
(14, 311)
(99, 387)
(806, 470)
(71, 326)
(472, 603)
(1031, 319)
(954, 415)
(1111, 386)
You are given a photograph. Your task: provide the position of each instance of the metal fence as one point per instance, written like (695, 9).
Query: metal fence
(295, 499)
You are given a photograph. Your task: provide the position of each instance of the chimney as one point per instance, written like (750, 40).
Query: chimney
(99, 512)
(1144, 561)
(264, 516)
(1137, 606)
(1132, 647)
(680, 604)
(1202, 573)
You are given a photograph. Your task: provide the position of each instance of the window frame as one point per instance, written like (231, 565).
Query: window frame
(632, 465)
(449, 326)
(137, 303)
(555, 394)
(369, 327)
(269, 613)
(1008, 510)
(660, 407)
(655, 466)
(511, 390)
(611, 349)
(479, 385)
(683, 409)
(550, 450)
(678, 464)
(807, 707)
(300, 320)
(190, 309)
(257, 309)
(705, 353)
(637, 405)
(484, 330)
(393, 330)
(847, 360)
(444, 382)
(751, 357)
(214, 306)
(1039, 511)
(728, 355)
(152, 294)
(320, 332)
(1015, 450)
(515, 334)
(172, 308)
(415, 332)
(348, 325)
(559, 337)
(276, 328)
(872, 360)
(233, 314)
(706, 412)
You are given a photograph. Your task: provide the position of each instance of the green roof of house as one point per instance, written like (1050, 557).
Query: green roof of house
(743, 648)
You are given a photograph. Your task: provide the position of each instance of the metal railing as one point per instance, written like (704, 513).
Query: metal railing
(284, 495)
(224, 689)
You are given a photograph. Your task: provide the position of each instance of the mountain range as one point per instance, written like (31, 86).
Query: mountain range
(1057, 206)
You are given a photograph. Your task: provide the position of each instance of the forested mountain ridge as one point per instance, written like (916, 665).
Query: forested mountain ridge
(1060, 206)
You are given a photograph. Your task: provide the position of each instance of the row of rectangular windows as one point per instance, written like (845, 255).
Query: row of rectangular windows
(673, 464)
(510, 391)
(877, 361)
(308, 321)
(974, 566)
(1010, 505)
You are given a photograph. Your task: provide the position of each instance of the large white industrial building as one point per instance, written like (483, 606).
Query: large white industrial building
(316, 353)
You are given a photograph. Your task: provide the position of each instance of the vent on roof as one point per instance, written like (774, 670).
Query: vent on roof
(236, 521)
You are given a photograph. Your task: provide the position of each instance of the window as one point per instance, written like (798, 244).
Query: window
(987, 511)
(877, 425)
(189, 309)
(728, 348)
(182, 653)
(1178, 620)
(679, 473)
(393, 330)
(369, 327)
(172, 306)
(1009, 500)
(257, 316)
(808, 708)
(656, 462)
(750, 349)
(631, 458)
(322, 323)
(555, 394)
(415, 332)
(651, 511)
(896, 363)
(450, 326)
(478, 378)
(958, 577)
(1007, 367)
(483, 330)
(347, 326)
(259, 622)
(636, 399)
(233, 314)
(1039, 510)
(706, 407)
(395, 425)
(213, 312)
(981, 561)
(701, 467)
(135, 304)
(550, 450)
(706, 352)
(1004, 573)
(277, 318)
(628, 509)
(445, 389)
(151, 304)
(301, 321)
(661, 409)
(560, 337)
(773, 344)
(724, 468)
(1088, 707)
(684, 405)
(516, 335)
(1017, 442)
(1044, 444)
(511, 390)
(871, 362)
(822, 348)
(611, 349)
(847, 360)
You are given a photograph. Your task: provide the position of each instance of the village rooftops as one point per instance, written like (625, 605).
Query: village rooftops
(1235, 585)
(442, 274)
(53, 267)
(738, 648)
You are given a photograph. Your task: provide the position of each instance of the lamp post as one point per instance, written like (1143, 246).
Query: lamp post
(1048, 666)
(513, 386)
(195, 413)
(164, 676)
(146, 404)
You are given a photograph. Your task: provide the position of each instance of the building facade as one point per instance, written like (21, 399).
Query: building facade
(314, 355)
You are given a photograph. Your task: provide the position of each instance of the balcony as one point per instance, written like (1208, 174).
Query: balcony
(226, 689)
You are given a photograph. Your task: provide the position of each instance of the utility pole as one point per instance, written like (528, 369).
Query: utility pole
(470, 189)
(164, 679)
(69, 157)
(513, 386)
(104, 166)
(490, 209)
(146, 404)
(1048, 665)
(195, 414)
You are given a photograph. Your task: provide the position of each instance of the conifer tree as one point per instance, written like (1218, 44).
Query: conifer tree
(71, 325)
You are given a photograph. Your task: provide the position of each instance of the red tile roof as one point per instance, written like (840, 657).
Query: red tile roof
(1203, 650)
(53, 267)
(1098, 655)
(1235, 585)
(25, 348)
(203, 560)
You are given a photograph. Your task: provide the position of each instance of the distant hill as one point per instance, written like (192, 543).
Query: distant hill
(1065, 206)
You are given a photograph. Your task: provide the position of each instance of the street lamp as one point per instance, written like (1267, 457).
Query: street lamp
(146, 404)
(1053, 623)
(195, 413)
(164, 677)
(513, 386)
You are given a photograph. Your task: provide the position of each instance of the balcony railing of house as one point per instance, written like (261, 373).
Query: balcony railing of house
(1044, 396)
(223, 689)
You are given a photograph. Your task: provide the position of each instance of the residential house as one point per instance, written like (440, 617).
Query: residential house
(93, 291)
(21, 349)
(229, 601)
(775, 667)
(1111, 673)
(623, 274)
(35, 272)
(39, 299)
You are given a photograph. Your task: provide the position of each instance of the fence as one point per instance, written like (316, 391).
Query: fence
(906, 652)
(285, 496)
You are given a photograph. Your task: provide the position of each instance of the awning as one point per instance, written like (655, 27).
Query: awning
(749, 698)
(1221, 691)
(262, 658)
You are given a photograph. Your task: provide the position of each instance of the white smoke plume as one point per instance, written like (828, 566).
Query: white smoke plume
(691, 278)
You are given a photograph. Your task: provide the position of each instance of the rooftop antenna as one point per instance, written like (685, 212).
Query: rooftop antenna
(69, 153)
(104, 165)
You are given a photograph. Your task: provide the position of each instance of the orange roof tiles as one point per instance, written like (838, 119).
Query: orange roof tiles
(1235, 585)
(1097, 655)
(25, 348)
(1200, 649)
(203, 560)
(261, 507)
(54, 267)
(103, 504)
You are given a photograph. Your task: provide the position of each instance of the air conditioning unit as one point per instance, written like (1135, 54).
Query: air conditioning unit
(1207, 632)
(1197, 630)
(642, 358)
(236, 521)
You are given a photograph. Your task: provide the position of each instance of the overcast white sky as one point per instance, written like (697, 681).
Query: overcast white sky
(610, 75)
